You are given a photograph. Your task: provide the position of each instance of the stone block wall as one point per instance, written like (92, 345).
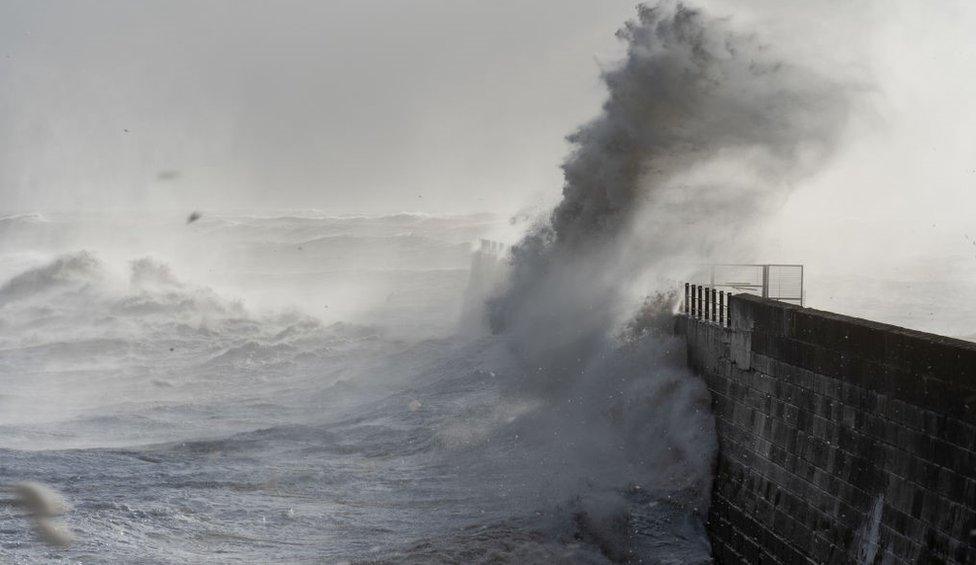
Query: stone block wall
(841, 440)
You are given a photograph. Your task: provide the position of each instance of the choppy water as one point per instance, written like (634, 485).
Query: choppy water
(288, 389)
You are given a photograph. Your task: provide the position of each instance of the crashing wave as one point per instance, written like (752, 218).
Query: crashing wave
(70, 272)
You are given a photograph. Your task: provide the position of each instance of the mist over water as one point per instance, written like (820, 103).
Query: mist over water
(702, 131)
(180, 423)
(186, 421)
(296, 388)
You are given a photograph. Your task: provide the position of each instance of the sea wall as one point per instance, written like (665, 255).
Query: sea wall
(841, 440)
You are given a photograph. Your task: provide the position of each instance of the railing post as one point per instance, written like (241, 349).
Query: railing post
(687, 305)
(721, 308)
(704, 303)
(708, 304)
(728, 315)
(700, 311)
(765, 281)
(714, 304)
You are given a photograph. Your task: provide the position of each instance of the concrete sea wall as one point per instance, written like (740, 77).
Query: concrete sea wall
(841, 440)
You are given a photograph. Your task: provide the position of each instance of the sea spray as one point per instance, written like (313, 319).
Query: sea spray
(703, 129)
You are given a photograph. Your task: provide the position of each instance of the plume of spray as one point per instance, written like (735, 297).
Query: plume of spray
(702, 132)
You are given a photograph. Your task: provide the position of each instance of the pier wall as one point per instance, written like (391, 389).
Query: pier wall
(841, 440)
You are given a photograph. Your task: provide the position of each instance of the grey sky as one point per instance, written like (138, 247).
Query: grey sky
(434, 105)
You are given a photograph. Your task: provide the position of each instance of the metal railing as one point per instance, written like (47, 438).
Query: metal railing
(776, 281)
(708, 304)
(491, 247)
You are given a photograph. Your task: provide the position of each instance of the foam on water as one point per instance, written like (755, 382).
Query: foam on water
(183, 424)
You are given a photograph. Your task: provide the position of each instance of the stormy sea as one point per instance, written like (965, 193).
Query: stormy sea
(213, 398)
(301, 386)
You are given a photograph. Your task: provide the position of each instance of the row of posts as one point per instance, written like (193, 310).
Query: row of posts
(708, 304)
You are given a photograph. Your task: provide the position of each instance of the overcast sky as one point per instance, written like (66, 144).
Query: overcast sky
(433, 105)
(437, 105)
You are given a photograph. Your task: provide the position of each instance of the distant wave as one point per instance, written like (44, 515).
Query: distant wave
(78, 268)
(312, 216)
(25, 217)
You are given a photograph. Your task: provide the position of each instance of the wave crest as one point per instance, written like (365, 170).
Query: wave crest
(73, 271)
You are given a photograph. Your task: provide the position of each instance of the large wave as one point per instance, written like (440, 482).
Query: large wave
(702, 129)
(94, 357)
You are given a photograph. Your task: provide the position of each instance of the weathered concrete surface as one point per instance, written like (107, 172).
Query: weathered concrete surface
(841, 440)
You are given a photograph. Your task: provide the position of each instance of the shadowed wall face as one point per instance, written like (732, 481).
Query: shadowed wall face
(841, 440)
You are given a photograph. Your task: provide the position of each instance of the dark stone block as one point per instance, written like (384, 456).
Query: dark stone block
(917, 351)
(959, 433)
(965, 552)
(833, 412)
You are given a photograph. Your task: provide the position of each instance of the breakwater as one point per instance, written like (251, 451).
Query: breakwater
(841, 440)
